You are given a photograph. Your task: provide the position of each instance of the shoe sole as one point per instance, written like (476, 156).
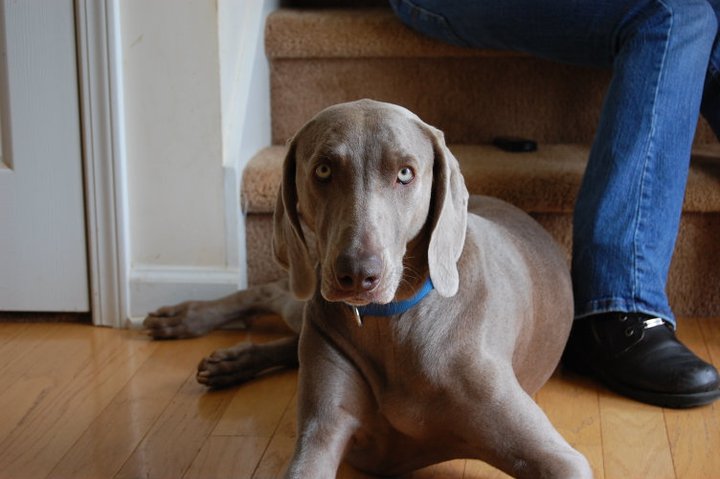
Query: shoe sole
(667, 400)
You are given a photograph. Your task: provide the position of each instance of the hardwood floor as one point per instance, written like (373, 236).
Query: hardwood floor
(84, 402)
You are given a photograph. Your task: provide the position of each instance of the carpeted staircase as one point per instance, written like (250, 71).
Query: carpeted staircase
(322, 56)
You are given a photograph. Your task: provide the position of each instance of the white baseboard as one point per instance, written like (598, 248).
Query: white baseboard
(152, 287)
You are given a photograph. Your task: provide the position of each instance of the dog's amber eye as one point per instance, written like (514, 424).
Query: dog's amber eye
(323, 172)
(405, 175)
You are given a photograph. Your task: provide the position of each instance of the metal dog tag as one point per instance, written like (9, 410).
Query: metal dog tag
(356, 315)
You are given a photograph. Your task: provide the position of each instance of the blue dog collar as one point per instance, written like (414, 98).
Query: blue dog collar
(393, 308)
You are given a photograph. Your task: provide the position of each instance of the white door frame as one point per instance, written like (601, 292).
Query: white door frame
(104, 157)
(101, 90)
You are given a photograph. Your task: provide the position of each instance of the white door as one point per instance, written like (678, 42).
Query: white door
(43, 254)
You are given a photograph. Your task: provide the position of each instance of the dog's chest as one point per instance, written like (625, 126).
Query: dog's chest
(406, 370)
(396, 349)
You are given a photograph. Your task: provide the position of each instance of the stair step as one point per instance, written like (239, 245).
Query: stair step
(334, 3)
(545, 181)
(353, 33)
(327, 56)
(545, 184)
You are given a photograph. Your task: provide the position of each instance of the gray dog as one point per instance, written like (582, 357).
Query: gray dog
(423, 328)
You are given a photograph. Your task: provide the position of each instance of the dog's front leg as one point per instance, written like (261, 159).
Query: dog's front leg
(331, 399)
(512, 433)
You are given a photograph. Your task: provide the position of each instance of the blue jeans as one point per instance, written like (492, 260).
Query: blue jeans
(665, 59)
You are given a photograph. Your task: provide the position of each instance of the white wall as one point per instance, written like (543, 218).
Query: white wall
(245, 103)
(193, 71)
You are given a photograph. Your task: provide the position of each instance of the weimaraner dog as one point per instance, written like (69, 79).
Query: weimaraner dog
(423, 328)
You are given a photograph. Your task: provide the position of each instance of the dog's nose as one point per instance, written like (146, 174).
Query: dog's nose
(358, 272)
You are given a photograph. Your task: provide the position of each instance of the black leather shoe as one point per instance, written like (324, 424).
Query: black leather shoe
(639, 357)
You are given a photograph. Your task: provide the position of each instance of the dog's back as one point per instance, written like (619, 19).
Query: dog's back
(531, 287)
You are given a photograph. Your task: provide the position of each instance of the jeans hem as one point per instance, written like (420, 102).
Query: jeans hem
(621, 305)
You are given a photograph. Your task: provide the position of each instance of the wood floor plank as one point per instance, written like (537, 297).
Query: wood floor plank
(571, 403)
(121, 426)
(695, 442)
(248, 422)
(694, 434)
(180, 432)
(8, 334)
(32, 342)
(445, 470)
(251, 413)
(481, 470)
(67, 390)
(226, 457)
(276, 458)
(278, 453)
(635, 439)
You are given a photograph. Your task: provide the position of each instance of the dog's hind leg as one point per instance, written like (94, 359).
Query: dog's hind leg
(196, 318)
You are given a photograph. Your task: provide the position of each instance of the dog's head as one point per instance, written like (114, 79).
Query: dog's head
(383, 198)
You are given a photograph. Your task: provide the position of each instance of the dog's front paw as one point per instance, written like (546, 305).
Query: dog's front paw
(231, 366)
(185, 320)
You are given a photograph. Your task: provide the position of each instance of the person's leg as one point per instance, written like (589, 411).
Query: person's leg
(628, 209)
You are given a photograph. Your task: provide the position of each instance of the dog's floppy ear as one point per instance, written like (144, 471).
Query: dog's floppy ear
(449, 217)
(289, 246)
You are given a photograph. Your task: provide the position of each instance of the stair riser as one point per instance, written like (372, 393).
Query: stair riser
(471, 99)
(694, 273)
